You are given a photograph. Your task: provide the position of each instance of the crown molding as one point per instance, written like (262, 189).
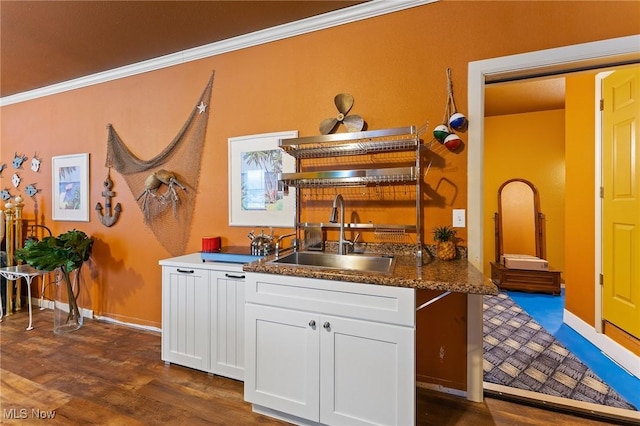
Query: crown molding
(336, 18)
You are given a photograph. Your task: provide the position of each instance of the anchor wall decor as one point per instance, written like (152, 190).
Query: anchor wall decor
(108, 219)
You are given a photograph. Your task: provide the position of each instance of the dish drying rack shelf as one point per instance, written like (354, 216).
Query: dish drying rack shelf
(354, 143)
(387, 233)
(359, 177)
(373, 142)
(361, 226)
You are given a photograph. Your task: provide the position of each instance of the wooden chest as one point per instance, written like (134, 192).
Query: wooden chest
(525, 280)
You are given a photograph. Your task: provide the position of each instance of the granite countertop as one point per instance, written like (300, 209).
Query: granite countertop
(458, 276)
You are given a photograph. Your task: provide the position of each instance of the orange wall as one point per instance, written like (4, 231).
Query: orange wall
(580, 233)
(393, 65)
(528, 146)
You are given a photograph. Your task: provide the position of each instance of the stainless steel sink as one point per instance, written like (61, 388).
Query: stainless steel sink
(353, 262)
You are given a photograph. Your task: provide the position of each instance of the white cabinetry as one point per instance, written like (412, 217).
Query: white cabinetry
(185, 316)
(203, 315)
(366, 376)
(283, 353)
(226, 311)
(330, 352)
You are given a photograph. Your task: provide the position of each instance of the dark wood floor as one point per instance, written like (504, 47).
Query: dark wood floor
(106, 374)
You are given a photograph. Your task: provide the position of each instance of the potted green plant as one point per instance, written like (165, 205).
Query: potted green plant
(446, 245)
(67, 253)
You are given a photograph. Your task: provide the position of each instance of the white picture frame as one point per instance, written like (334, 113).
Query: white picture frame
(70, 187)
(255, 199)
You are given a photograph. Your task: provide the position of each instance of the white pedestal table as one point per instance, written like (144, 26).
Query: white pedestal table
(27, 272)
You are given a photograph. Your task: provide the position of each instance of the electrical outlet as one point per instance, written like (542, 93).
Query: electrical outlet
(459, 218)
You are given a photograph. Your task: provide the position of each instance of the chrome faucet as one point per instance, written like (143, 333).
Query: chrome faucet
(334, 218)
(294, 243)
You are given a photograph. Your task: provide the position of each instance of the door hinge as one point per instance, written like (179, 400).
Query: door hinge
(601, 104)
(602, 192)
(601, 280)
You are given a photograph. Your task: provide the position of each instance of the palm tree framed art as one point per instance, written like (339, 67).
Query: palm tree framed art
(255, 196)
(70, 187)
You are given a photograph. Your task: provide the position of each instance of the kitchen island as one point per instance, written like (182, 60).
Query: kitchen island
(457, 276)
(328, 346)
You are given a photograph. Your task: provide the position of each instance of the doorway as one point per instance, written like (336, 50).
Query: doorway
(525, 138)
(552, 61)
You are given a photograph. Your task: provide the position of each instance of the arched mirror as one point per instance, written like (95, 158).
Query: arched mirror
(519, 220)
(520, 233)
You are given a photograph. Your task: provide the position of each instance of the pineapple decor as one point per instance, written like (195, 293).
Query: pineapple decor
(446, 246)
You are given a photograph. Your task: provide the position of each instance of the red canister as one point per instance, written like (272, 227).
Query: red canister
(211, 244)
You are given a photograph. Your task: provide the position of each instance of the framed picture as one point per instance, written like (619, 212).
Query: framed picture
(255, 196)
(70, 187)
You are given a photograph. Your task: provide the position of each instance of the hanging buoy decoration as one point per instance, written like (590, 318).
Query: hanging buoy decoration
(441, 132)
(458, 121)
(451, 121)
(452, 142)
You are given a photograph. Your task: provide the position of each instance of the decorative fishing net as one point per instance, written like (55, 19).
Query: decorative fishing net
(165, 186)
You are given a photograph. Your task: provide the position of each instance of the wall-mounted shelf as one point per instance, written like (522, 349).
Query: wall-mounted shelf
(354, 143)
(360, 177)
(376, 144)
(359, 226)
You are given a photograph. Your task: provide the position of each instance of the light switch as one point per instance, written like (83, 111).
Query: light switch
(459, 218)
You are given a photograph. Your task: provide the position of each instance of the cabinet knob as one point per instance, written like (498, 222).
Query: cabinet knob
(326, 325)
(312, 323)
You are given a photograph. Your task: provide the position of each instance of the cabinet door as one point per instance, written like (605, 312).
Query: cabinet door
(282, 350)
(227, 324)
(185, 316)
(367, 373)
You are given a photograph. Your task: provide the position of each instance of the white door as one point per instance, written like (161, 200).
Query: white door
(281, 353)
(227, 324)
(366, 373)
(185, 317)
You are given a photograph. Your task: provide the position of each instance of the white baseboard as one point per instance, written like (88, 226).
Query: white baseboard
(612, 349)
(88, 313)
(128, 324)
(48, 304)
